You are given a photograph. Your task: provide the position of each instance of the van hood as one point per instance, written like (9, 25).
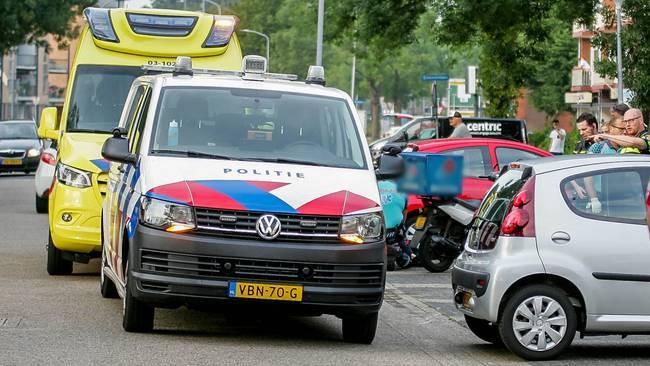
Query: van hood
(83, 151)
(260, 187)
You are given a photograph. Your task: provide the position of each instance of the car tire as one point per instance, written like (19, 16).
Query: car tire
(56, 264)
(137, 316)
(41, 204)
(550, 314)
(360, 329)
(484, 329)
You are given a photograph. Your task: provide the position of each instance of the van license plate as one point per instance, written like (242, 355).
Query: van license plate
(12, 162)
(250, 290)
(419, 223)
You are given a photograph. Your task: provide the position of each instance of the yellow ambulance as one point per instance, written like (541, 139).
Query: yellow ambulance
(113, 47)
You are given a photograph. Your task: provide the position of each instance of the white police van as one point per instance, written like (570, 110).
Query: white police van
(242, 188)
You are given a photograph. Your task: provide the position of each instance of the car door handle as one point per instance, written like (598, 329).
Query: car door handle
(560, 237)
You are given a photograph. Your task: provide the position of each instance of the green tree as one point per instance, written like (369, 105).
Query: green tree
(30, 20)
(512, 35)
(636, 50)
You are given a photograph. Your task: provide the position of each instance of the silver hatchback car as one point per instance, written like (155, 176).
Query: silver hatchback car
(558, 245)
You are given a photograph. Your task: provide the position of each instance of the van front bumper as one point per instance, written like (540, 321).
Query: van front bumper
(175, 269)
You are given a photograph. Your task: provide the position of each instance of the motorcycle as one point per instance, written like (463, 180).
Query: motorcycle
(438, 235)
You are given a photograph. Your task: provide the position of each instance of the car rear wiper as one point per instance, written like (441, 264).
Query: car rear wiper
(192, 154)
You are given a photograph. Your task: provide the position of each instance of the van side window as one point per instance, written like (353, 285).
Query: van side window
(620, 195)
(135, 136)
(134, 103)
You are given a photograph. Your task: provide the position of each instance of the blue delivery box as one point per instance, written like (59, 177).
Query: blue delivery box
(431, 174)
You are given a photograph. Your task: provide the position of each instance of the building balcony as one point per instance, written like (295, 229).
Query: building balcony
(57, 66)
(588, 81)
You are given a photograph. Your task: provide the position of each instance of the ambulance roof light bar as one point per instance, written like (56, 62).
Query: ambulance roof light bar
(251, 69)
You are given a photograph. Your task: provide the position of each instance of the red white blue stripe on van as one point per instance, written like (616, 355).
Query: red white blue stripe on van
(257, 196)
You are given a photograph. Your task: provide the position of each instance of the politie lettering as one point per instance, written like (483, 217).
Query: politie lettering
(271, 173)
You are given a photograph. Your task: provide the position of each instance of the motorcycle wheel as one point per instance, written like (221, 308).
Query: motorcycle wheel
(431, 260)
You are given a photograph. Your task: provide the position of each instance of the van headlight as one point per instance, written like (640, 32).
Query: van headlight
(73, 177)
(167, 216)
(362, 228)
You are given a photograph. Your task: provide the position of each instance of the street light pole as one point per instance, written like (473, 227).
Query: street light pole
(619, 52)
(268, 45)
(319, 33)
(212, 3)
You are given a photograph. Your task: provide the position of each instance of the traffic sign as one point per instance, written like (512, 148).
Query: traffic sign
(435, 77)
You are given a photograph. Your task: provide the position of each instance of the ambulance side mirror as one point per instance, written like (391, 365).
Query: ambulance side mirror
(48, 126)
(116, 149)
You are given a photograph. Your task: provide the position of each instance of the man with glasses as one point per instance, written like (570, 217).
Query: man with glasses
(635, 140)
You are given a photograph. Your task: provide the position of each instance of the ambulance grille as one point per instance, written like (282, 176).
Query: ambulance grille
(241, 224)
(212, 267)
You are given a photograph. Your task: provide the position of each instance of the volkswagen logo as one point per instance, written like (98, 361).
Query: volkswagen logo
(268, 227)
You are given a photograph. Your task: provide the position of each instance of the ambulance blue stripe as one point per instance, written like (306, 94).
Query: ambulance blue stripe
(102, 164)
(249, 196)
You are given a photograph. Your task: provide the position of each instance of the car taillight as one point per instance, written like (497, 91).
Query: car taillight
(520, 220)
(48, 158)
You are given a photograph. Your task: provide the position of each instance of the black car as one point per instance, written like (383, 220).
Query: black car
(425, 128)
(20, 148)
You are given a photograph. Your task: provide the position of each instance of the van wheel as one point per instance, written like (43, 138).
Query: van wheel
(56, 265)
(41, 204)
(137, 316)
(360, 329)
(483, 329)
(538, 323)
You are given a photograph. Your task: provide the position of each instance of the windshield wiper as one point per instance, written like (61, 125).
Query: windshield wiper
(290, 161)
(84, 130)
(192, 154)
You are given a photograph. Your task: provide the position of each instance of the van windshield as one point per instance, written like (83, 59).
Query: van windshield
(98, 96)
(246, 124)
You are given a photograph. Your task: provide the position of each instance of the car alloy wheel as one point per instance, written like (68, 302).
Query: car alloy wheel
(539, 323)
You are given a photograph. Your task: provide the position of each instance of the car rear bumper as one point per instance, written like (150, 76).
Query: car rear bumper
(175, 269)
(28, 164)
(81, 234)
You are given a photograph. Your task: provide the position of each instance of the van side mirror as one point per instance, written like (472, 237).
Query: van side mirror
(48, 127)
(116, 149)
(389, 167)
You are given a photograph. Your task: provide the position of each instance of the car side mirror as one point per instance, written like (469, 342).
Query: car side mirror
(48, 127)
(116, 149)
(389, 167)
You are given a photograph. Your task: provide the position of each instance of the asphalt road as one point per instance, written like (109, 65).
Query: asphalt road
(64, 321)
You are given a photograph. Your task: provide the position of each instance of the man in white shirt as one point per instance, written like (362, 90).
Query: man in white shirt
(558, 138)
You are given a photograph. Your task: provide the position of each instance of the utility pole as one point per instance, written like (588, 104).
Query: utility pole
(319, 33)
(619, 52)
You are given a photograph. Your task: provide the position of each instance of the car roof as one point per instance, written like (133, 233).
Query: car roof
(549, 164)
(444, 142)
(231, 81)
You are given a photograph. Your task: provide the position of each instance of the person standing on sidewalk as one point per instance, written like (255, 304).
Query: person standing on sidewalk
(587, 125)
(558, 139)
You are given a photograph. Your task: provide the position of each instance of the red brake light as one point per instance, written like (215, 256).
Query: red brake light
(520, 220)
(48, 158)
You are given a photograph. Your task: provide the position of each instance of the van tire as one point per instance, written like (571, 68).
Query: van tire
(525, 296)
(360, 329)
(485, 330)
(41, 204)
(137, 316)
(56, 264)
(106, 286)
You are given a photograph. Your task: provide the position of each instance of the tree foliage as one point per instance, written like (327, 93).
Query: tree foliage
(636, 50)
(513, 35)
(30, 20)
